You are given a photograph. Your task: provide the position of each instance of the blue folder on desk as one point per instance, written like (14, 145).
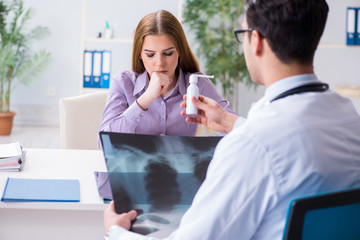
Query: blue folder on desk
(42, 190)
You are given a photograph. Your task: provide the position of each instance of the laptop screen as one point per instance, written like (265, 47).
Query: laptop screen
(156, 175)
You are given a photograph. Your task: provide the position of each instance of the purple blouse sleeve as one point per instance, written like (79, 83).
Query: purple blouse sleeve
(121, 113)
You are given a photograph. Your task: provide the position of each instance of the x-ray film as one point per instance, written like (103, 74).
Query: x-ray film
(156, 175)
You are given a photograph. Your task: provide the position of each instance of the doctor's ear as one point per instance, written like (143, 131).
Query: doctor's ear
(256, 43)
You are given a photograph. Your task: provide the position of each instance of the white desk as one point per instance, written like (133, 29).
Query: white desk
(56, 220)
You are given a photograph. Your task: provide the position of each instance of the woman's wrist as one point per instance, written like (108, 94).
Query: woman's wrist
(144, 101)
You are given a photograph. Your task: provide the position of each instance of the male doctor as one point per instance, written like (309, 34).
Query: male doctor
(299, 139)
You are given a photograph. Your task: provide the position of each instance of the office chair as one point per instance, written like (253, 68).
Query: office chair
(80, 118)
(327, 216)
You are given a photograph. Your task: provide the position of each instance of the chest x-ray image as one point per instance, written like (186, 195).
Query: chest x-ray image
(156, 175)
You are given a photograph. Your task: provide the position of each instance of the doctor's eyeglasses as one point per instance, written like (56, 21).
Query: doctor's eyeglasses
(239, 34)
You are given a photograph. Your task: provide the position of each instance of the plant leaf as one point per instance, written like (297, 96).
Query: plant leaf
(213, 23)
(31, 68)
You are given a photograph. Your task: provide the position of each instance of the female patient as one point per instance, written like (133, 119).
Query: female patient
(147, 99)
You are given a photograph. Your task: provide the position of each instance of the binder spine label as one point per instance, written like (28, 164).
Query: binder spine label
(351, 26)
(97, 69)
(358, 26)
(87, 71)
(106, 69)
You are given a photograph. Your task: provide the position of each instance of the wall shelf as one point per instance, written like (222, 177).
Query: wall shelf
(337, 45)
(348, 91)
(109, 40)
(343, 90)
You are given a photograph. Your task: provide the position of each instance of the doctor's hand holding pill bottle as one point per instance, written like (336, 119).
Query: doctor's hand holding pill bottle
(193, 91)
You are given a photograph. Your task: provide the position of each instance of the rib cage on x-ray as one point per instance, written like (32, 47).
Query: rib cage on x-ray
(157, 174)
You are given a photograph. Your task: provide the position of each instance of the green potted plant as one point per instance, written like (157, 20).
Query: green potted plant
(18, 64)
(213, 23)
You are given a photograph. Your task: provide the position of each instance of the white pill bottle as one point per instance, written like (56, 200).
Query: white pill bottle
(193, 91)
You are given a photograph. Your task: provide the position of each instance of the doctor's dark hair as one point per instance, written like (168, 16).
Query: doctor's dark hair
(158, 23)
(293, 28)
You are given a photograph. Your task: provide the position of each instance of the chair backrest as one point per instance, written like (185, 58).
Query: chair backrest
(328, 216)
(80, 118)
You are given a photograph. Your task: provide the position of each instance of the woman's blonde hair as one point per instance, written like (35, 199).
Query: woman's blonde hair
(163, 22)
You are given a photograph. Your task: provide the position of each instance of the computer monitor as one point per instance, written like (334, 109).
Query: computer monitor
(328, 216)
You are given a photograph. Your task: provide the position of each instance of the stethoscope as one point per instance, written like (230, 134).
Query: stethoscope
(312, 87)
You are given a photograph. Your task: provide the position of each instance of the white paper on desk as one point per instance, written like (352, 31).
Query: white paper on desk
(10, 150)
(12, 164)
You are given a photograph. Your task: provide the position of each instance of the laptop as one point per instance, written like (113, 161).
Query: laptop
(328, 216)
(156, 175)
